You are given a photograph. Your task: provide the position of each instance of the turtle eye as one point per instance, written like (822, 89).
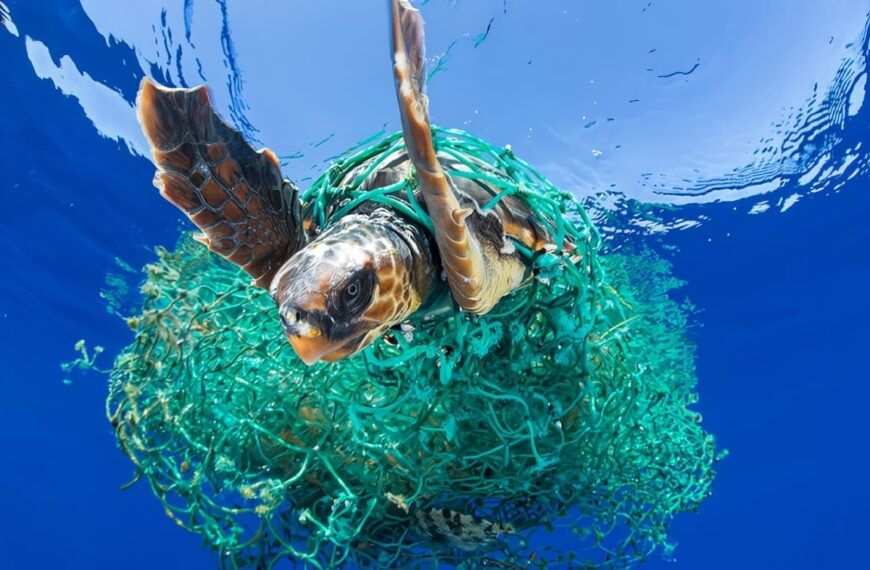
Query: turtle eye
(352, 299)
(352, 290)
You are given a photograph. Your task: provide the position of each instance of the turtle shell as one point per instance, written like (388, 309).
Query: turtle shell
(383, 174)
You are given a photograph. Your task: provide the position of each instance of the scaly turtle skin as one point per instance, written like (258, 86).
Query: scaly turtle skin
(339, 288)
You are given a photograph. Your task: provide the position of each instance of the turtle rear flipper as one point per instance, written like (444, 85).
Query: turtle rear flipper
(237, 196)
(470, 243)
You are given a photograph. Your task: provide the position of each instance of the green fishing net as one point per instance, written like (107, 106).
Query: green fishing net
(555, 429)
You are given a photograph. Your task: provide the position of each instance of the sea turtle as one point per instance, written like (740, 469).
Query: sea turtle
(339, 288)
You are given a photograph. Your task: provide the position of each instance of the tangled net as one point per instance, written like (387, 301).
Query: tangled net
(452, 441)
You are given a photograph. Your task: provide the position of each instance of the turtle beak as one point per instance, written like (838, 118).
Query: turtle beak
(308, 341)
(311, 348)
(311, 344)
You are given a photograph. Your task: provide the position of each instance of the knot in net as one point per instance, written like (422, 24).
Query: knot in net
(554, 428)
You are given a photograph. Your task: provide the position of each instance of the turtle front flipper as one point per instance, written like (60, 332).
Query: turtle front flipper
(469, 242)
(237, 196)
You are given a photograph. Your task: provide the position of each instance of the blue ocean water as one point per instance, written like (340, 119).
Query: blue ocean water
(745, 123)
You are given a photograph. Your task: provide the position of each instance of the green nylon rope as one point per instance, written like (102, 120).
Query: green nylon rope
(561, 417)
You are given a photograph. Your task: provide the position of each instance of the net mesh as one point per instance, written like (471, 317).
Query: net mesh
(555, 428)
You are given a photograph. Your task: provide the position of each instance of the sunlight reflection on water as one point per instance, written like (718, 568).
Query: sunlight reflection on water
(678, 140)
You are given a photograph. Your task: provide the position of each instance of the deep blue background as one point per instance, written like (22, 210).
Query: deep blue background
(782, 344)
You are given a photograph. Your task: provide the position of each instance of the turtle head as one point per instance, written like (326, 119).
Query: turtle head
(343, 290)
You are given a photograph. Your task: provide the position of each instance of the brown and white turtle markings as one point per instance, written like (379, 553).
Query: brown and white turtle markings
(339, 288)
